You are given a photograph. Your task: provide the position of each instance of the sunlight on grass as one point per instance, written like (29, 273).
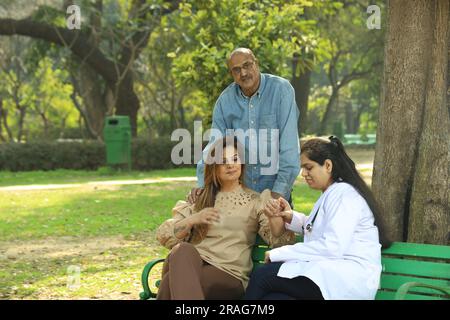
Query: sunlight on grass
(109, 232)
(63, 176)
(304, 197)
(78, 212)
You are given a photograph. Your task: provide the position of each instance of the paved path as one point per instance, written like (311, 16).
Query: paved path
(95, 183)
(362, 166)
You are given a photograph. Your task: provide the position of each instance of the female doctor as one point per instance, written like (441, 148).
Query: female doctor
(340, 257)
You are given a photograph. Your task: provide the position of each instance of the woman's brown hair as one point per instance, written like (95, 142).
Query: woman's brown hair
(212, 183)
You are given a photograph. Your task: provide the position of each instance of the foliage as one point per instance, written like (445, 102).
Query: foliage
(43, 94)
(352, 69)
(274, 30)
(180, 73)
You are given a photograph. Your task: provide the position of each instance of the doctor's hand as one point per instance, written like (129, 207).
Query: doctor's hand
(286, 212)
(267, 257)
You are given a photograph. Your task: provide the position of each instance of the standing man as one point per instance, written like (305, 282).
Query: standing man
(256, 101)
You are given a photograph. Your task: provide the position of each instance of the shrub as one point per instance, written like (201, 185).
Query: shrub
(51, 155)
(86, 155)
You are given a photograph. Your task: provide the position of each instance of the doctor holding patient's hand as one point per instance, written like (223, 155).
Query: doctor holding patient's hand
(278, 208)
(274, 210)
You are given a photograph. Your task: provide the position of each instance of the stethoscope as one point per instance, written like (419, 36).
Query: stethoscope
(309, 226)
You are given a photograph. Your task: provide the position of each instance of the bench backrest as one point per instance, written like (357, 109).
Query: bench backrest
(402, 262)
(414, 262)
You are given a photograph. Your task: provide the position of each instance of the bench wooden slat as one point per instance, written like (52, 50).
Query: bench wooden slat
(390, 295)
(418, 250)
(416, 268)
(402, 263)
(258, 253)
(259, 241)
(393, 282)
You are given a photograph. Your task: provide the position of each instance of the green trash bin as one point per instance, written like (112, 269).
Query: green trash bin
(117, 137)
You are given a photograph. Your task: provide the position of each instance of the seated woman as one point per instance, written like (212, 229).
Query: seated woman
(340, 257)
(211, 240)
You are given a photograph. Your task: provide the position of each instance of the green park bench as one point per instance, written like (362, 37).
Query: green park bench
(411, 271)
(371, 138)
(358, 139)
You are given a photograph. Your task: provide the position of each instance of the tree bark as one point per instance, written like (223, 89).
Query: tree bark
(412, 157)
(88, 86)
(328, 110)
(2, 138)
(4, 119)
(301, 85)
(350, 119)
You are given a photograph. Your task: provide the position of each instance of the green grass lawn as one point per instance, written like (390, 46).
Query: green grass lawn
(62, 176)
(106, 231)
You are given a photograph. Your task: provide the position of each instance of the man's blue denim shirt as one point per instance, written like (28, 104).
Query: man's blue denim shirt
(271, 107)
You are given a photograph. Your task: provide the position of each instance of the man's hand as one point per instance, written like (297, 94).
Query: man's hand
(275, 195)
(193, 195)
(267, 257)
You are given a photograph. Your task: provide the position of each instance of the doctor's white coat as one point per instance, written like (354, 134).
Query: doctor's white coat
(341, 253)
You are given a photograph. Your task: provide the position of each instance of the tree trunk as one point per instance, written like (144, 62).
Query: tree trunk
(127, 102)
(22, 114)
(349, 118)
(88, 86)
(301, 84)
(412, 158)
(331, 102)
(357, 119)
(2, 138)
(4, 119)
(46, 123)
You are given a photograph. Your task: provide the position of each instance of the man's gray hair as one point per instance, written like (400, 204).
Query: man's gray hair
(241, 50)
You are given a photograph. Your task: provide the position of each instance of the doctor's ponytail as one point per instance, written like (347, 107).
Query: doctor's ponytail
(344, 170)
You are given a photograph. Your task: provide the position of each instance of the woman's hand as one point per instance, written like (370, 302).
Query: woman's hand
(193, 195)
(272, 208)
(267, 257)
(278, 208)
(206, 216)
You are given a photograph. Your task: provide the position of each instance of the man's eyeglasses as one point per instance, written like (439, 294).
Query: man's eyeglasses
(246, 66)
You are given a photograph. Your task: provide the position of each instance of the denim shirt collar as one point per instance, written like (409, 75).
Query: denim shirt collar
(258, 93)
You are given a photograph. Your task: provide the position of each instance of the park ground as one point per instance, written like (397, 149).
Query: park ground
(103, 224)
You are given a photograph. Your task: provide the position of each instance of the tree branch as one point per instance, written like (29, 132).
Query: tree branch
(77, 42)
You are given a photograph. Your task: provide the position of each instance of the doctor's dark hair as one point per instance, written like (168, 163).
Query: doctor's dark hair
(344, 170)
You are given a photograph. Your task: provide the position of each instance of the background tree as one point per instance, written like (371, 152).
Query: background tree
(112, 60)
(274, 30)
(177, 68)
(355, 53)
(412, 160)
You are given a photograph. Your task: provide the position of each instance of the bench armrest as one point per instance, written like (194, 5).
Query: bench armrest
(147, 293)
(406, 287)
